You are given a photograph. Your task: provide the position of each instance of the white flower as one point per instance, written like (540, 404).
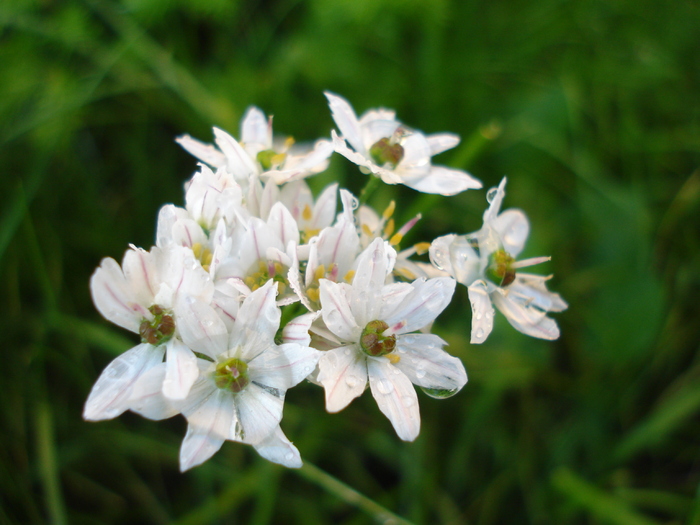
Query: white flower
(331, 255)
(152, 294)
(484, 262)
(257, 155)
(239, 394)
(267, 250)
(373, 323)
(399, 155)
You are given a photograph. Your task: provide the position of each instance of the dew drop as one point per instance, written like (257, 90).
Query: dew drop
(491, 194)
(347, 351)
(408, 401)
(289, 456)
(351, 381)
(384, 386)
(479, 333)
(420, 373)
(440, 393)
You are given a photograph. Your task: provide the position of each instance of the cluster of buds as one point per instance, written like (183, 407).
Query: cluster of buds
(251, 240)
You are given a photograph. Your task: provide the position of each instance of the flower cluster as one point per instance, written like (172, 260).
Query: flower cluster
(206, 300)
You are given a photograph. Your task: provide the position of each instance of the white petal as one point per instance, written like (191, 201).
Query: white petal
(440, 142)
(147, 397)
(197, 447)
(283, 224)
(110, 395)
(482, 311)
(324, 210)
(395, 397)
(427, 300)
(373, 266)
(259, 313)
(343, 374)
(238, 161)
(283, 366)
(200, 326)
(426, 364)
(513, 228)
(260, 411)
(443, 181)
(346, 120)
(340, 146)
(336, 311)
(278, 449)
(297, 330)
(534, 289)
(181, 370)
(142, 273)
(496, 200)
(204, 152)
(255, 128)
(524, 317)
(112, 296)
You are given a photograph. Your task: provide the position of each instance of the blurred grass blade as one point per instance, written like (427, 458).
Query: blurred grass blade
(212, 109)
(599, 503)
(47, 462)
(665, 419)
(349, 495)
(92, 333)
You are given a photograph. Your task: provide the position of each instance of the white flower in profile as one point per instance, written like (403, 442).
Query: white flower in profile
(397, 154)
(258, 154)
(239, 394)
(485, 262)
(374, 324)
(152, 294)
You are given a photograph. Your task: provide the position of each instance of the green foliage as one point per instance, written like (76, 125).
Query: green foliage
(590, 108)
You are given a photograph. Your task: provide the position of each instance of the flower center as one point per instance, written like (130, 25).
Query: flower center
(203, 255)
(232, 375)
(160, 329)
(373, 342)
(501, 269)
(269, 158)
(387, 151)
(268, 270)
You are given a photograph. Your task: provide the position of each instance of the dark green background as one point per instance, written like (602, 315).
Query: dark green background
(591, 109)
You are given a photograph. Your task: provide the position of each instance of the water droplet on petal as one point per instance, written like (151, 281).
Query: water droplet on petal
(479, 333)
(491, 194)
(289, 456)
(440, 393)
(351, 381)
(384, 386)
(407, 401)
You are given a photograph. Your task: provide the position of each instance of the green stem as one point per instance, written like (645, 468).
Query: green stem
(369, 188)
(349, 495)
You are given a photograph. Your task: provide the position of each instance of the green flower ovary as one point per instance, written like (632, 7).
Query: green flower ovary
(500, 269)
(232, 375)
(373, 342)
(160, 329)
(386, 151)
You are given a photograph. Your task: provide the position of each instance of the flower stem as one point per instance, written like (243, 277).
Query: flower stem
(369, 188)
(349, 495)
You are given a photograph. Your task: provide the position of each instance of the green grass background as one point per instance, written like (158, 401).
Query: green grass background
(591, 108)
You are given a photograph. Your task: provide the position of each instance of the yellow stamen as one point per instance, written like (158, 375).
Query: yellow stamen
(393, 358)
(349, 276)
(307, 213)
(389, 228)
(405, 272)
(319, 272)
(421, 247)
(313, 294)
(389, 211)
(366, 230)
(396, 239)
